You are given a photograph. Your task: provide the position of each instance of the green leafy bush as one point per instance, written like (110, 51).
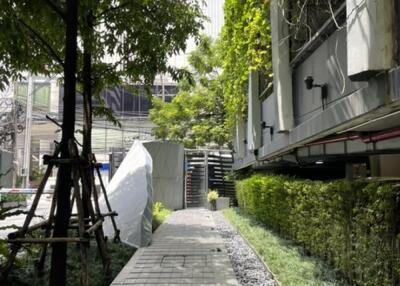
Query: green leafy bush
(160, 213)
(354, 225)
(13, 198)
(212, 196)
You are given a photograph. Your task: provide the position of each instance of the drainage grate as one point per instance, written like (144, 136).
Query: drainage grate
(184, 261)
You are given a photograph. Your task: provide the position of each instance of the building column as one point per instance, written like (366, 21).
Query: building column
(281, 66)
(239, 145)
(253, 113)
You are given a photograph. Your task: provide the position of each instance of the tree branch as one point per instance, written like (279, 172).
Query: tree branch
(42, 41)
(112, 9)
(55, 8)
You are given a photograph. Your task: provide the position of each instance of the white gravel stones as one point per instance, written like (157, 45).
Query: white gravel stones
(248, 268)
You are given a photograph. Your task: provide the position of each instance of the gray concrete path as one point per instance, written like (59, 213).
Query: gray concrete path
(186, 250)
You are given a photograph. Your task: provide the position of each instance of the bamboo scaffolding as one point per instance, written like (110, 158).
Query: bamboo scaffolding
(83, 196)
(48, 240)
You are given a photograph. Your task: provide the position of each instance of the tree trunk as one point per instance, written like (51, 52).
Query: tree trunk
(87, 103)
(59, 252)
(87, 85)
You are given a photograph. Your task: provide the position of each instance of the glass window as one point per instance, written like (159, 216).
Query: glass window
(41, 96)
(22, 91)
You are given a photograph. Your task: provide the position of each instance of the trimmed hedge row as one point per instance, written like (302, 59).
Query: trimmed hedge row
(354, 225)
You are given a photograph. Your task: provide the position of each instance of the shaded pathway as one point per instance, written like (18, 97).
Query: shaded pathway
(186, 250)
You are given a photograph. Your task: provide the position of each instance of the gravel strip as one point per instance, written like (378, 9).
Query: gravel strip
(248, 268)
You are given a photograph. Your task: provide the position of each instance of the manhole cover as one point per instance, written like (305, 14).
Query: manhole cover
(184, 261)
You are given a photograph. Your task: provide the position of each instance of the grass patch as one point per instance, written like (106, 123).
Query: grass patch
(23, 274)
(160, 214)
(285, 259)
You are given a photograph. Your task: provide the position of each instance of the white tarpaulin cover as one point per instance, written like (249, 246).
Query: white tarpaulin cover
(130, 195)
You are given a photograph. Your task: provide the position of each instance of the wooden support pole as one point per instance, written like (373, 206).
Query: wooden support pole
(99, 231)
(48, 240)
(58, 161)
(17, 234)
(94, 227)
(43, 253)
(16, 246)
(116, 230)
(101, 215)
(81, 220)
(94, 193)
(84, 228)
(72, 203)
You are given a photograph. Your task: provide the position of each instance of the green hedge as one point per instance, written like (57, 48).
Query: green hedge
(354, 225)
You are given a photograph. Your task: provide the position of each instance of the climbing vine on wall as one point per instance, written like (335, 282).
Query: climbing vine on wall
(245, 47)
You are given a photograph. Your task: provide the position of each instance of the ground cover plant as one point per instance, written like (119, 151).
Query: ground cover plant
(353, 225)
(23, 274)
(160, 214)
(283, 257)
(12, 198)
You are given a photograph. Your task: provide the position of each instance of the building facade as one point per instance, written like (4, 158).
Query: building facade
(335, 101)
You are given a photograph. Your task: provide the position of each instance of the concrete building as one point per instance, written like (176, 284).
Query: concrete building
(214, 11)
(335, 101)
(47, 99)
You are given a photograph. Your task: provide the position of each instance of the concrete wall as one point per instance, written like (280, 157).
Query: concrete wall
(327, 65)
(370, 40)
(168, 173)
(268, 116)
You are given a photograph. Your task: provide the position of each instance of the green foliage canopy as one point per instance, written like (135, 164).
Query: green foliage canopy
(196, 116)
(31, 39)
(245, 47)
(129, 40)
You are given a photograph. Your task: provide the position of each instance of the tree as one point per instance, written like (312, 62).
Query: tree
(139, 34)
(196, 116)
(34, 38)
(63, 183)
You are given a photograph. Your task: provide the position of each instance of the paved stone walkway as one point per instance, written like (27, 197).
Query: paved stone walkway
(186, 250)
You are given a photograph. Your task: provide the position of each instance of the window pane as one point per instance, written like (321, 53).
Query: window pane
(41, 96)
(22, 91)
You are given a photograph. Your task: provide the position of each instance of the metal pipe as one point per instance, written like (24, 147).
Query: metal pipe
(376, 137)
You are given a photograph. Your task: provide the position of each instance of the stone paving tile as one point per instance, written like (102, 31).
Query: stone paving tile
(186, 250)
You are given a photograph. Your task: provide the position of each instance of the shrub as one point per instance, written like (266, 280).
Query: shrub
(212, 196)
(354, 225)
(160, 213)
(12, 198)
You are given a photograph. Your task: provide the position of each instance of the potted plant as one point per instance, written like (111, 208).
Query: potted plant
(212, 197)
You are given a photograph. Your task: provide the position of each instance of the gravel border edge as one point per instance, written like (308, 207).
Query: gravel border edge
(257, 254)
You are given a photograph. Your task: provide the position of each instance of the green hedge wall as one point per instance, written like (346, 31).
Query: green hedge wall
(354, 225)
